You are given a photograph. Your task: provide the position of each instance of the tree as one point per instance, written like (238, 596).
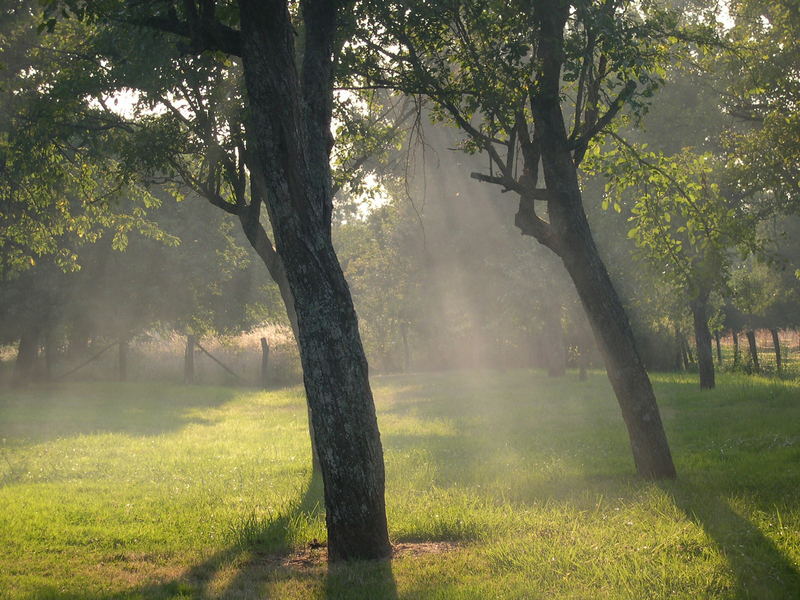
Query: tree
(683, 225)
(59, 183)
(500, 72)
(762, 91)
(289, 94)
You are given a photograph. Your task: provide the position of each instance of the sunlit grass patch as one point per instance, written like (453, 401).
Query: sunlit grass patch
(143, 491)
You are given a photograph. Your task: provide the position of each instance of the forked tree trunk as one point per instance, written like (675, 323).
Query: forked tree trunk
(776, 342)
(736, 351)
(289, 132)
(570, 237)
(751, 340)
(702, 336)
(188, 360)
(719, 348)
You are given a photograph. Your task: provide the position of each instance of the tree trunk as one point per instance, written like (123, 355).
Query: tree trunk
(684, 351)
(289, 132)
(615, 339)
(736, 351)
(27, 353)
(702, 337)
(188, 360)
(264, 363)
(678, 366)
(568, 235)
(689, 354)
(122, 359)
(683, 358)
(263, 247)
(776, 342)
(719, 348)
(751, 340)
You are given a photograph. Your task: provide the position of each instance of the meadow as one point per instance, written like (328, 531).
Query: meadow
(499, 485)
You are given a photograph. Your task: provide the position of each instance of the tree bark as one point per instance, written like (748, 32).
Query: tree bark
(615, 339)
(568, 234)
(702, 336)
(776, 342)
(719, 348)
(289, 131)
(188, 360)
(751, 340)
(27, 353)
(261, 243)
(610, 325)
(736, 351)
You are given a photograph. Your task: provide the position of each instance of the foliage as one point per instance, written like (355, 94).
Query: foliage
(683, 223)
(60, 181)
(762, 90)
(478, 63)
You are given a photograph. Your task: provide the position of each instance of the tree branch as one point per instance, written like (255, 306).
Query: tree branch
(580, 144)
(510, 184)
(206, 34)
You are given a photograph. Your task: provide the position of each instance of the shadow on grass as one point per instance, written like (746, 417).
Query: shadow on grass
(45, 412)
(760, 569)
(264, 558)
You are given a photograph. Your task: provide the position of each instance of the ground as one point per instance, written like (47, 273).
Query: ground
(499, 485)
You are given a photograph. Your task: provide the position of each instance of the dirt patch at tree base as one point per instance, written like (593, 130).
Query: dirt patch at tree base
(316, 554)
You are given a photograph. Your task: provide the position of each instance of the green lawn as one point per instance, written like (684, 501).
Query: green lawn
(144, 491)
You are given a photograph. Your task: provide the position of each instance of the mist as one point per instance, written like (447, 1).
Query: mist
(399, 299)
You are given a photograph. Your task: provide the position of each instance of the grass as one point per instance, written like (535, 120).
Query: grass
(143, 491)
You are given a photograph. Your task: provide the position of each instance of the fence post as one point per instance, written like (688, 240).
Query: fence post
(264, 362)
(188, 360)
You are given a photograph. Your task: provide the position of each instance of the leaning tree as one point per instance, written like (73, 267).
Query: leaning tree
(533, 85)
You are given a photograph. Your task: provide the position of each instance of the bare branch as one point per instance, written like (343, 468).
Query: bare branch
(510, 184)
